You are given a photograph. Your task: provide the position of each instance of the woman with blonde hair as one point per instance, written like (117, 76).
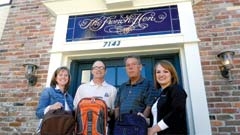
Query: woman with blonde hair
(169, 110)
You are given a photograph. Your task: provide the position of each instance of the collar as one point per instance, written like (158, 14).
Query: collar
(141, 79)
(104, 83)
(57, 88)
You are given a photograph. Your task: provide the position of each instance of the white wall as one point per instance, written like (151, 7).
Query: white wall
(3, 2)
(4, 10)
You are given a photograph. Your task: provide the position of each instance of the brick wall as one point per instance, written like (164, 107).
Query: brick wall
(27, 38)
(218, 26)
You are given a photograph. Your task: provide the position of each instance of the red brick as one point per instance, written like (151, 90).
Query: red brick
(222, 105)
(229, 110)
(15, 124)
(217, 123)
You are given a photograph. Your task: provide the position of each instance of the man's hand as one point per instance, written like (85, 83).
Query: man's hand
(116, 113)
(147, 119)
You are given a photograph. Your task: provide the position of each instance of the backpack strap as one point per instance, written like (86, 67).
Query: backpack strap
(100, 125)
(89, 123)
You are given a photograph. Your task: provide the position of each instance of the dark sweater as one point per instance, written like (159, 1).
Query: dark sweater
(171, 108)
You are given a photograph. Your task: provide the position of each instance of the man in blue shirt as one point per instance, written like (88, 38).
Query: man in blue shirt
(135, 94)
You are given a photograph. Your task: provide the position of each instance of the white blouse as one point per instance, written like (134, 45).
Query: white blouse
(161, 123)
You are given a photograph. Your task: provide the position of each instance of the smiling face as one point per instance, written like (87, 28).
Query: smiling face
(62, 78)
(98, 70)
(163, 76)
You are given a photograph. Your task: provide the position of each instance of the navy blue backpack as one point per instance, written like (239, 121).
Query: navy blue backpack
(130, 124)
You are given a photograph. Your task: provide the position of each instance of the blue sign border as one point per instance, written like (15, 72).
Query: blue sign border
(142, 22)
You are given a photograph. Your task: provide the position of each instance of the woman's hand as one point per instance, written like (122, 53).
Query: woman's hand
(150, 131)
(153, 130)
(56, 106)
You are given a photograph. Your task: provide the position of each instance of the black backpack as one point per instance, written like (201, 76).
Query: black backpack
(58, 122)
(130, 124)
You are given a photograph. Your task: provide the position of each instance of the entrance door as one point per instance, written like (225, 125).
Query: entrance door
(116, 74)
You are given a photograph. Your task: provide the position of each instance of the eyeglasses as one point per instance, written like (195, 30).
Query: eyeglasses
(100, 68)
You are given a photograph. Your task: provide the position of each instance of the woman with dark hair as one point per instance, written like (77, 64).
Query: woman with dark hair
(169, 110)
(56, 96)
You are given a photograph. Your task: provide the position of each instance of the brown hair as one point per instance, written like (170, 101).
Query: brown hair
(168, 66)
(53, 82)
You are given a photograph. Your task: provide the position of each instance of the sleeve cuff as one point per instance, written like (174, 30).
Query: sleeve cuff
(162, 125)
(46, 110)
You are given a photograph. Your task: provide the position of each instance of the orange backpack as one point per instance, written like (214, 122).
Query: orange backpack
(91, 117)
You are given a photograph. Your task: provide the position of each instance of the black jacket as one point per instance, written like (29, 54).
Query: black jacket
(171, 107)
